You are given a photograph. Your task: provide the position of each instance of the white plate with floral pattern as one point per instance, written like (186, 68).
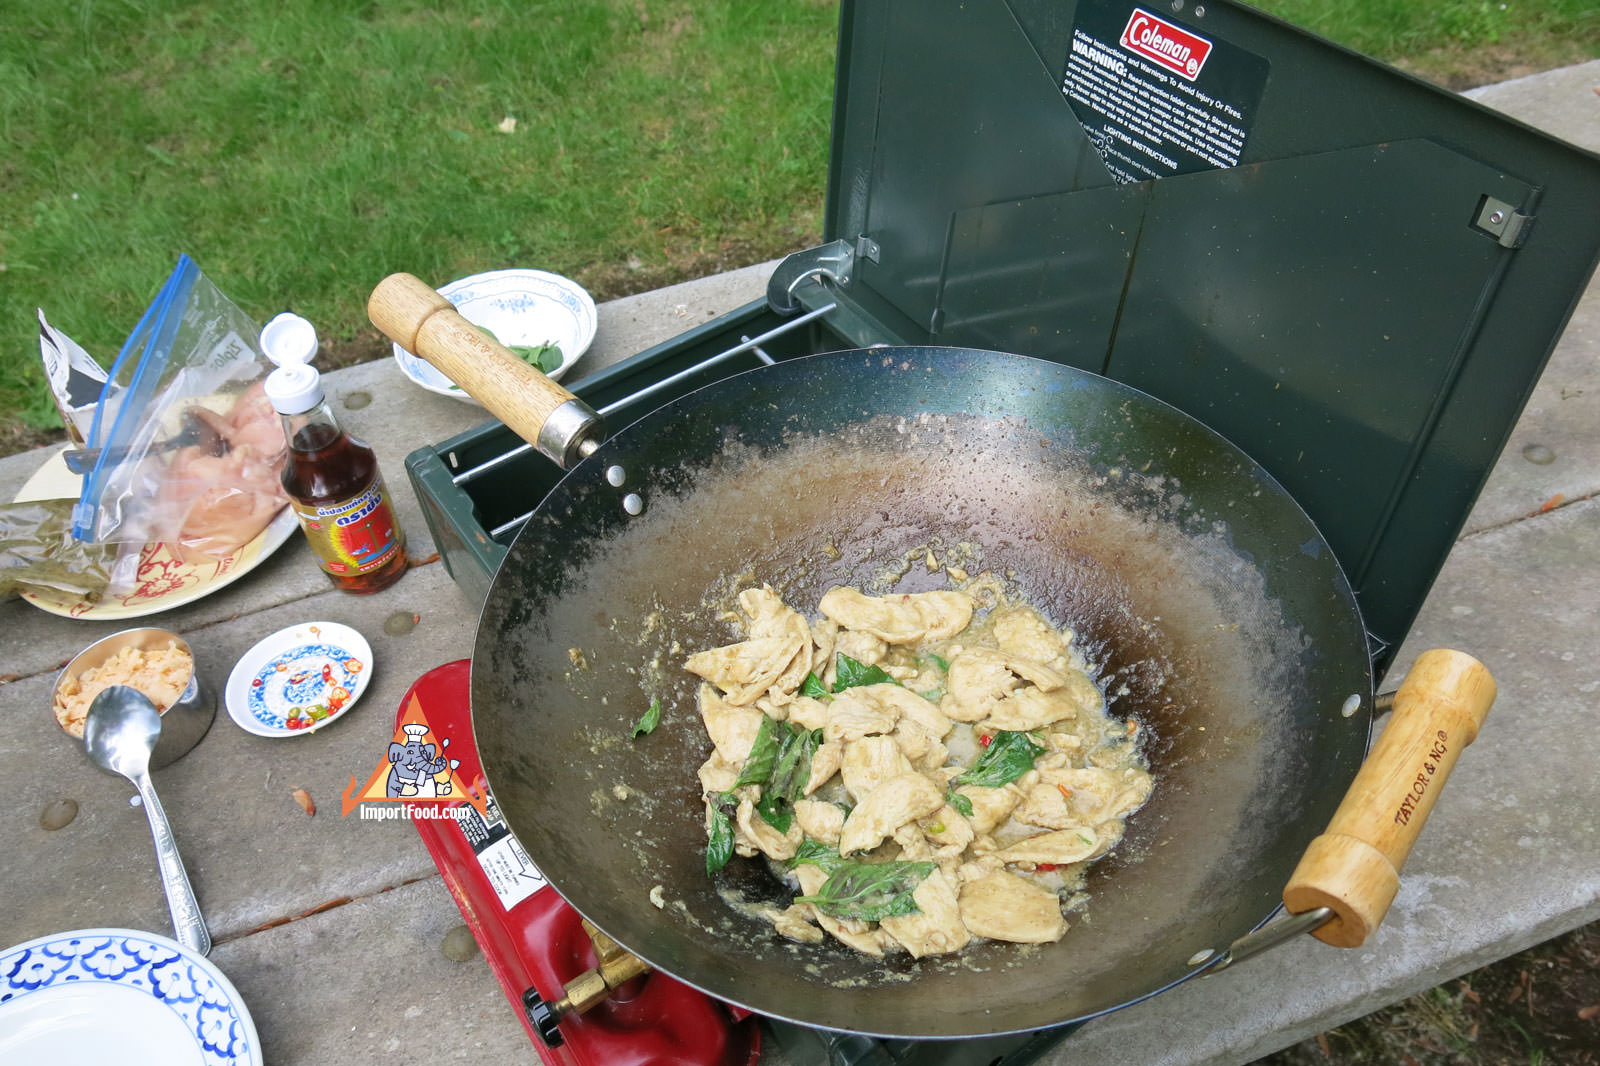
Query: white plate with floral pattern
(520, 307)
(118, 995)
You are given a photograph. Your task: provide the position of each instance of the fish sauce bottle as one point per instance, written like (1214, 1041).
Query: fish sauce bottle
(331, 478)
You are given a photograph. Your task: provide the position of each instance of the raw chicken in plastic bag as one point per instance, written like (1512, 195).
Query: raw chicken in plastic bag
(187, 449)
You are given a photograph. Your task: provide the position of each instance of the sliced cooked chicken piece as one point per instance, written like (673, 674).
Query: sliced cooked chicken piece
(770, 618)
(1007, 692)
(945, 613)
(745, 670)
(1029, 709)
(908, 705)
(949, 833)
(823, 633)
(1045, 806)
(918, 745)
(869, 762)
(731, 728)
(913, 843)
(979, 868)
(753, 829)
(825, 762)
(794, 923)
(1096, 795)
(1023, 632)
(862, 647)
(717, 775)
(808, 713)
(900, 619)
(1059, 847)
(948, 828)
(976, 683)
(1003, 906)
(819, 820)
(990, 806)
(1062, 747)
(886, 808)
(980, 678)
(863, 936)
(1110, 834)
(938, 929)
(854, 714)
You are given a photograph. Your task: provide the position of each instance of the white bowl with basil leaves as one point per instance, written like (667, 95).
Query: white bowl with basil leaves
(544, 318)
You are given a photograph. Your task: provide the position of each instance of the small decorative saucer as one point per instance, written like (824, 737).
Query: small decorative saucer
(299, 679)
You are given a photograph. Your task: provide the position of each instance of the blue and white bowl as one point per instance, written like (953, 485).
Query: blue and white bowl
(520, 307)
(123, 996)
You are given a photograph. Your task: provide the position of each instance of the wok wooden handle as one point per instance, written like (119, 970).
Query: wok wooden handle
(409, 312)
(1354, 867)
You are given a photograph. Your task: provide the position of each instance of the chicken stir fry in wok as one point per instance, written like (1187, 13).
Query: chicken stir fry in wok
(927, 768)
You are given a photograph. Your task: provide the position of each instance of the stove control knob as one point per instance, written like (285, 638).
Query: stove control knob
(544, 1018)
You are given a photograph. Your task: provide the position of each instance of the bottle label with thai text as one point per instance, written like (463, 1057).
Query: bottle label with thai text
(351, 536)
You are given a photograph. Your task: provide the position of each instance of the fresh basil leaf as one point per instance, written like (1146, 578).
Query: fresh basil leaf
(959, 802)
(818, 854)
(1007, 758)
(870, 892)
(719, 830)
(812, 686)
(775, 811)
(763, 754)
(791, 771)
(939, 661)
(852, 673)
(649, 720)
(544, 357)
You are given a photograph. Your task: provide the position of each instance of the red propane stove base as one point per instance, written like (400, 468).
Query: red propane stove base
(533, 939)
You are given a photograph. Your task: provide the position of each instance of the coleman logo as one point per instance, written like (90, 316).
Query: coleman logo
(1173, 47)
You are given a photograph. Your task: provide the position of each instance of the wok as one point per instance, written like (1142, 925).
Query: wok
(1213, 612)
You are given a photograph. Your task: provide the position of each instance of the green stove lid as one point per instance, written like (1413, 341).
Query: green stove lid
(1355, 276)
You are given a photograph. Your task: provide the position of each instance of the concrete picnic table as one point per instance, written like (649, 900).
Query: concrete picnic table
(330, 927)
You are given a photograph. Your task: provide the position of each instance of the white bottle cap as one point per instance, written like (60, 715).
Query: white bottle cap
(291, 342)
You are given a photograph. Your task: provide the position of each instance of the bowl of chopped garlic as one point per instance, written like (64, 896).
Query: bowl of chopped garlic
(158, 663)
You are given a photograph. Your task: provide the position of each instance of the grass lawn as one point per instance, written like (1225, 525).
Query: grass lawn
(302, 149)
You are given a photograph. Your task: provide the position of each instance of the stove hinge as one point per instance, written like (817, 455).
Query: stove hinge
(1503, 222)
(833, 262)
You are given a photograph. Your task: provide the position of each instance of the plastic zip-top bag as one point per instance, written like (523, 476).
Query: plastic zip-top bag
(188, 450)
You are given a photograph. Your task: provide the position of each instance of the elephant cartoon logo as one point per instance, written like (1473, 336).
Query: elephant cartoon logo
(416, 769)
(415, 766)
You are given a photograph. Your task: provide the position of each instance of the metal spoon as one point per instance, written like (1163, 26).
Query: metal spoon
(119, 733)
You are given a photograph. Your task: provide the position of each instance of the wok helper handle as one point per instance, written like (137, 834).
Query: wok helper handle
(1354, 867)
(413, 315)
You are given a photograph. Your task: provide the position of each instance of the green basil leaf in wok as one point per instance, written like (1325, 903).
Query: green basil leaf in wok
(791, 771)
(649, 720)
(816, 853)
(870, 892)
(1008, 757)
(763, 754)
(719, 833)
(851, 673)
